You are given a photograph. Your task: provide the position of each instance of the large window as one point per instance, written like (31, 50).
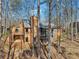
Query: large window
(16, 37)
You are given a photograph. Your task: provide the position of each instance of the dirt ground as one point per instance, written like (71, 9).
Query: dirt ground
(71, 48)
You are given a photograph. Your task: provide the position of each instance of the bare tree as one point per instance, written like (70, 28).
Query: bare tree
(1, 19)
(71, 20)
(38, 31)
(76, 24)
(49, 29)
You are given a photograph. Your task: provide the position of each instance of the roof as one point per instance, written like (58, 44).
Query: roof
(45, 25)
(26, 25)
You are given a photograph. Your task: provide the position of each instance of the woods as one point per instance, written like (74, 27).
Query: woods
(38, 29)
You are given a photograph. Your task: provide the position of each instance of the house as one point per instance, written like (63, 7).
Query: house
(25, 32)
(74, 25)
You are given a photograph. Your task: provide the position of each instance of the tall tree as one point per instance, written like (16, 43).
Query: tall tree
(49, 29)
(76, 24)
(0, 19)
(38, 31)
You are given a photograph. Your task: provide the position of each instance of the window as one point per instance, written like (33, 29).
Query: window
(26, 29)
(26, 39)
(17, 29)
(16, 37)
